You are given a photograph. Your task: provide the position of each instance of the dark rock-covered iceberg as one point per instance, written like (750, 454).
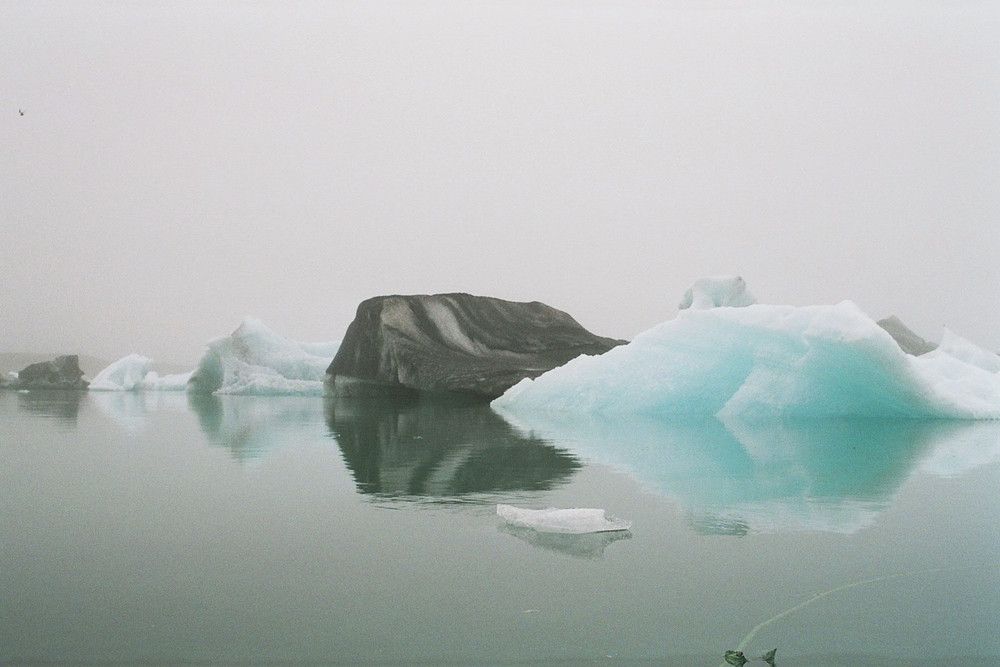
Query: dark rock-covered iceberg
(454, 343)
(59, 373)
(907, 340)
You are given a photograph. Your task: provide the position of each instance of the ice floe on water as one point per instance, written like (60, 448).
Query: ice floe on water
(575, 521)
(252, 360)
(134, 373)
(764, 361)
(255, 360)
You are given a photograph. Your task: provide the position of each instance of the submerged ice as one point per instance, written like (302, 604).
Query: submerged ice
(760, 361)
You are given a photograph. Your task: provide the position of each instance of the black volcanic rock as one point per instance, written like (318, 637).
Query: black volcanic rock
(454, 343)
(60, 373)
(907, 340)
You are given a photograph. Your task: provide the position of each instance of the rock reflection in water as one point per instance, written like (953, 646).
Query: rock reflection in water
(439, 447)
(61, 405)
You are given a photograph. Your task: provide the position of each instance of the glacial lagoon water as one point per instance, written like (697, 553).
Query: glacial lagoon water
(156, 527)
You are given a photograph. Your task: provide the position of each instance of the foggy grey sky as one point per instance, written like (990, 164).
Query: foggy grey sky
(181, 165)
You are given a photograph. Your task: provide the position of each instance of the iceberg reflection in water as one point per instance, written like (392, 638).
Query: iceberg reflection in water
(734, 477)
(729, 477)
(249, 427)
(590, 546)
(252, 426)
(133, 410)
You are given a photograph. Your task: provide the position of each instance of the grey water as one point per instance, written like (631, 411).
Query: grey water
(157, 528)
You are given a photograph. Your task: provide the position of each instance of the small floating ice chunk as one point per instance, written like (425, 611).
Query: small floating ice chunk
(132, 373)
(576, 521)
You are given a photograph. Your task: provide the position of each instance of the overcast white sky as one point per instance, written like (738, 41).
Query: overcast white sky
(181, 165)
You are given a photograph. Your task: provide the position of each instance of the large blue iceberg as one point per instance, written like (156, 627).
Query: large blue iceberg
(750, 361)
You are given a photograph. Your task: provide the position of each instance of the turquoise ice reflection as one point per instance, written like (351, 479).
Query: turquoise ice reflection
(730, 477)
(733, 477)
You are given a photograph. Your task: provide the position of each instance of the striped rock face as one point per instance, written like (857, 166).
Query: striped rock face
(454, 343)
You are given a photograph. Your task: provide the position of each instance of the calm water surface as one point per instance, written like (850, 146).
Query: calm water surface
(155, 528)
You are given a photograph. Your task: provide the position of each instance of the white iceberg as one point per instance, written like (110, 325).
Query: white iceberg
(955, 347)
(717, 291)
(255, 360)
(133, 373)
(576, 521)
(763, 361)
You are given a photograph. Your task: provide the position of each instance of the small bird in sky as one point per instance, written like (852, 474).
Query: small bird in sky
(20, 111)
